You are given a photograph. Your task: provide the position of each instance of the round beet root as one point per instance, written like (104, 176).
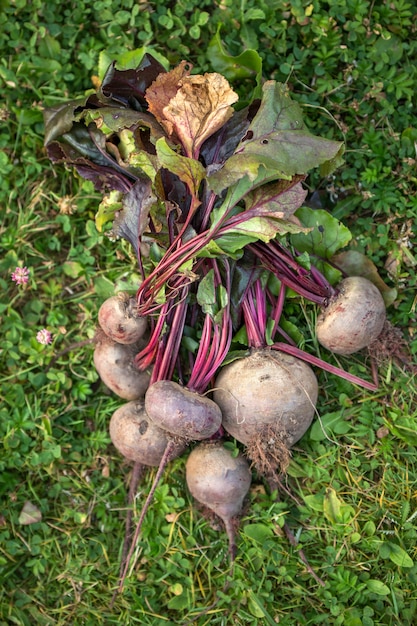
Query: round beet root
(182, 412)
(267, 388)
(136, 437)
(353, 319)
(114, 363)
(119, 319)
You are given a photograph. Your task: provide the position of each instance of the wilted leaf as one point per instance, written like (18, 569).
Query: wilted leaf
(200, 107)
(354, 263)
(30, 514)
(132, 220)
(164, 88)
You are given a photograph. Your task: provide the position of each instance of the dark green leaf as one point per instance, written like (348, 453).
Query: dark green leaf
(327, 234)
(277, 139)
(60, 118)
(221, 145)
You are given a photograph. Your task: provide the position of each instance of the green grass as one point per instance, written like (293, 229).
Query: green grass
(350, 496)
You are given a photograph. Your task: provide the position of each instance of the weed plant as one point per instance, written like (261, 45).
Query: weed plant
(350, 496)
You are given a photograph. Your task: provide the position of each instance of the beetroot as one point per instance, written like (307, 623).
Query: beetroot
(182, 412)
(114, 363)
(353, 318)
(219, 480)
(268, 401)
(136, 437)
(119, 319)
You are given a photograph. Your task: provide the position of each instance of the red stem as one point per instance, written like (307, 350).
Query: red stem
(168, 348)
(310, 284)
(313, 360)
(215, 340)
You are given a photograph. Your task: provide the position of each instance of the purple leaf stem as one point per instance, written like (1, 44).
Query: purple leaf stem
(277, 310)
(313, 360)
(164, 370)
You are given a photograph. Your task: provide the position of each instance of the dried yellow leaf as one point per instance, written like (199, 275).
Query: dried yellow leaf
(200, 107)
(164, 88)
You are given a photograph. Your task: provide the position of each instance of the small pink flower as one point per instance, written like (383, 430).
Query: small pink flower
(44, 337)
(21, 275)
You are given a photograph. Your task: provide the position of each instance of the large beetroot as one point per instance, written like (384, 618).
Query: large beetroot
(267, 388)
(268, 402)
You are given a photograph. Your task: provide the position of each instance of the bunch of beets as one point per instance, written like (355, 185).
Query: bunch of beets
(210, 197)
